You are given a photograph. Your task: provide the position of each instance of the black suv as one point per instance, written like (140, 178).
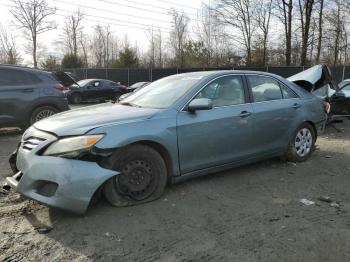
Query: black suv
(28, 95)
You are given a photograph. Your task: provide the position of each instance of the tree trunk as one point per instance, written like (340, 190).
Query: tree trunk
(264, 50)
(35, 62)
(305, 30)
(288, 10)
(319, 45)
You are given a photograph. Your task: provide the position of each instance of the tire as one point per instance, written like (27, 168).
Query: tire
(76, 99)
(41, 113)
(116, 96)
(302, 144)
(143, 176)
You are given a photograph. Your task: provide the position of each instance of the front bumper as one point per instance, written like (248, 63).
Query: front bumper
(58, 182)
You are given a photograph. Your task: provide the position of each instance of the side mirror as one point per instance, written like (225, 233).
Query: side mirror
(200, 104)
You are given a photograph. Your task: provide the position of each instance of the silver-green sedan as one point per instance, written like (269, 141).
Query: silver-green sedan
(173, 129)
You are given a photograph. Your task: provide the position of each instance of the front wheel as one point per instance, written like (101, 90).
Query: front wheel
(302, 144)
(143, 176)
(76, 98)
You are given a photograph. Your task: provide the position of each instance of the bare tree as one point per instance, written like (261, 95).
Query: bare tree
(263, 19)
(84, 44)
(286, 8)
(240, 15)
(152, 47)
(8, 48)
(305, 8)
(155, 52)
(179, 35)
(72, 30)
(33, 17)
(320, 32)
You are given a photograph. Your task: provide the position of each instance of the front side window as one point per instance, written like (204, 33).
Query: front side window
(96, 84)
(264, 88)
(225, 91)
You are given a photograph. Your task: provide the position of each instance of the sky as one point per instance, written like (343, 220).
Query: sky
(125, 17)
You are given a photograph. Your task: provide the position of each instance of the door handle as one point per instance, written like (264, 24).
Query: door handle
(28, 90)
(244, 114)
(296, 106)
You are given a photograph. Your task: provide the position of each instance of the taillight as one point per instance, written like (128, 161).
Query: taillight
(59, 87)
(327, 107)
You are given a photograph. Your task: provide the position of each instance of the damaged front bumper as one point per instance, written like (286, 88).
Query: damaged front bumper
(58, 182)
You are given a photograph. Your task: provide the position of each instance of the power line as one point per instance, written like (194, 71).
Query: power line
(117, 24)
(145, 9)
(146, 27)
(177, 4)
(118, 20)
(109, 11)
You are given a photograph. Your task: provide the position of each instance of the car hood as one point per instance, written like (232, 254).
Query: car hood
(314, 78)
(80, 121)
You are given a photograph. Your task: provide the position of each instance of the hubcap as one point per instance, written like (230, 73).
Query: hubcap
(136, 180)
(44, 114)
(303, 142)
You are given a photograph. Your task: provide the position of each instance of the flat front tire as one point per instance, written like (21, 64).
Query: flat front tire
(302, 144)
(143, 176)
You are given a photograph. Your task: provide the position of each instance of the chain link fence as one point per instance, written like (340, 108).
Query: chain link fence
(131, 76)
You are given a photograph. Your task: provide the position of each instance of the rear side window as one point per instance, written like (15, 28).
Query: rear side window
(264, 88)
(287, 92)
(12, 77)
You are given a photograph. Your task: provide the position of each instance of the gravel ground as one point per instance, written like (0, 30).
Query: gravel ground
(251, 213)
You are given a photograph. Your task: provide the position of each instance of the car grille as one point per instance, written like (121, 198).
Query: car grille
(32, 142)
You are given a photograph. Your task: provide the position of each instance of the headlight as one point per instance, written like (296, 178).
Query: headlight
(72, 146)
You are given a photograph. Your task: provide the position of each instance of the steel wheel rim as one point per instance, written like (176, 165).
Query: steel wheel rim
(303, 142)
(137, 180)
(44, 114)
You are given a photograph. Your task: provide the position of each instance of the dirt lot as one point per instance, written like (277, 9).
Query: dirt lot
(251, 213)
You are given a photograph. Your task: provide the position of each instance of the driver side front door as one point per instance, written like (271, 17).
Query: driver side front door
(222, 135)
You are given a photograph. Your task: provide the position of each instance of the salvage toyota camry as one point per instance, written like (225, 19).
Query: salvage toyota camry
(175, 128)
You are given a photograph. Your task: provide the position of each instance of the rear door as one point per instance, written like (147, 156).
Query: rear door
(275, 113)
(222, 135)
(18, 90)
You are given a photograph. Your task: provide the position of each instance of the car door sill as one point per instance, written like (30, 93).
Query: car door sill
(215, 169)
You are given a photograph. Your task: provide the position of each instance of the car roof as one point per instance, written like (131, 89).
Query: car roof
(217, 73)
(24, 68)
(96, 79)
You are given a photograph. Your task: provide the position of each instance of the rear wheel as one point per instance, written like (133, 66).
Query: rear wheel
(143, 176)
(302, 144)
(41, 113)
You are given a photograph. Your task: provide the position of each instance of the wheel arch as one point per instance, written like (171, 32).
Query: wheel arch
(163, 151)
(313, 127)
(35, 107)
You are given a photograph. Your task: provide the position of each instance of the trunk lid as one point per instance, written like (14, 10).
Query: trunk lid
(314, 78)
(64, 78)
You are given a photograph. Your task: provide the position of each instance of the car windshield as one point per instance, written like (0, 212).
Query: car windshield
(83, 82)
(162, 93)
